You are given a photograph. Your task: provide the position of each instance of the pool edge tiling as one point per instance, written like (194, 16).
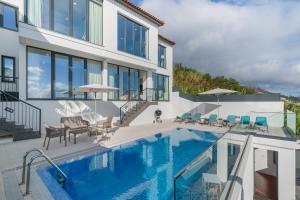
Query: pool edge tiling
(141, 169)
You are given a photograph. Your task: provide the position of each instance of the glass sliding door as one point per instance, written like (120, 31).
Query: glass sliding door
(113, 81)
(160, 87)
(95, 22)
(77, 76)
(134, 84)
(123, 84)
(79, 19)
(94, 76)
(61, 16)
(38, 74)
(38, 13)
(61, 80)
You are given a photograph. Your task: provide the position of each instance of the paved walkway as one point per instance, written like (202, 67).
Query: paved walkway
(11, 153)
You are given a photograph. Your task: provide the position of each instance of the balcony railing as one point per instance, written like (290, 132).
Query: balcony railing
(279, 125)
(212, 173)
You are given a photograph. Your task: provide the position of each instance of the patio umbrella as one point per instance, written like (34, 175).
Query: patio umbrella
(94, 88)
(217, 92)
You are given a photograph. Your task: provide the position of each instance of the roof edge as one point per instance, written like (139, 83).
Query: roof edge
(142, 12)
(171, 42)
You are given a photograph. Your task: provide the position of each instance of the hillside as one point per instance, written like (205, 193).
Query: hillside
(193, 82)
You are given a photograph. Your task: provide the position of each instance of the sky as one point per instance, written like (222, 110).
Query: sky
(256, 42)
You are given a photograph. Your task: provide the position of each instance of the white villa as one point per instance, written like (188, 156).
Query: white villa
(48, 48)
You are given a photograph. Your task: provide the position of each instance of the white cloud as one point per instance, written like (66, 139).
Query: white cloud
(257, 43)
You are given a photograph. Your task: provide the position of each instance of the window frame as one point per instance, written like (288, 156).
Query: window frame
(133, 37)
(159, 58)
(52, 65)
(70, 31)
(3, 57)
(16, 17)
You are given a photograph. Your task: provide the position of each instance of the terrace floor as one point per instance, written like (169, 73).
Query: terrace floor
(11, 153)
(275, 132)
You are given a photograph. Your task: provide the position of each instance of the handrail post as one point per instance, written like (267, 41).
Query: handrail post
(24, 168)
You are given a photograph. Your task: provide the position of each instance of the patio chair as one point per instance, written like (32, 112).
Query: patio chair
(261, 123)
(53, 132)
(195, 118)
(245, 121)
(183, 118)
(105, 124)
(75, 125)
(230, 120)
(213, 119)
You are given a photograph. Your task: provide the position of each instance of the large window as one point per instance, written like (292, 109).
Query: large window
(81, 19)
(39, 74)
(161, 56)
(8, 69)
(61, 16)
(160, 87)
(132, 37)
(62, 78)
(8, 17)
(113, 81)
(39, 13)
(129, 82)
(77, 75)
(94, 76)
(54, 76)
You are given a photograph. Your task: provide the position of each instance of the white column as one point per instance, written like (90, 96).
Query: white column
(222, 160)
(105, 78)
(286, 174)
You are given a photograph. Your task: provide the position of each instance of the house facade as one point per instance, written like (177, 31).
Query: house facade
(50, 47)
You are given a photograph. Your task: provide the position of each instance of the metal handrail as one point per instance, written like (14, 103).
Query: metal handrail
(32, 118)
(40, 154)
(136, 98)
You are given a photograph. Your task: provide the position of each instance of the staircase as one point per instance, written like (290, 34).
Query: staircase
(133, 108)
(18, 119)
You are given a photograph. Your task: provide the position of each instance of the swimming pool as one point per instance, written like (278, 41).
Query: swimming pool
(143, 169)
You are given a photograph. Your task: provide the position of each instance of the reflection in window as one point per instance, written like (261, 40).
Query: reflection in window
(113, 79)
(79, 19)
(61, 16)
(161, 56)
(38, 13)
(160, 87)
(134, 84)
(94, 76)
(39, 74)
(8, 17)
(123, 83)
(8, 69)
(132, 37)
(77, 75)
(61, 76)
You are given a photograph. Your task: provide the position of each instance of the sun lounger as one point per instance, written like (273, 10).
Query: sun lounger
(230, 120)
(213, 119)
(261, 123)
(186, 116)
(245, 121)
(195, 118)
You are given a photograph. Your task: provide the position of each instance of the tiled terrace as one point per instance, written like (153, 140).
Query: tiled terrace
(11, 153)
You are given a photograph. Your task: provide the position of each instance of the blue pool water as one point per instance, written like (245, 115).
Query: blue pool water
(143, 169)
